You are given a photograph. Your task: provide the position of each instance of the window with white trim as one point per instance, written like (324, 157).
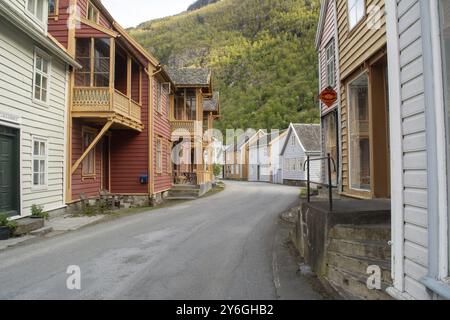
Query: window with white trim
(41, 77)
(356, 12)
(331, 67)
(38, 9)
(39, 162)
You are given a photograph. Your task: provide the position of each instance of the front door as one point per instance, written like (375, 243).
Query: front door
(9, 171)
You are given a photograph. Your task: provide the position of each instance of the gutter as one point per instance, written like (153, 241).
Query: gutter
(440, 288)
(18, 21)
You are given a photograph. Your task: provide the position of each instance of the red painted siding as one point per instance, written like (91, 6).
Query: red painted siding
(162, 181)
(129, 154)
(58, 28)
(89, 187)
(87, 31)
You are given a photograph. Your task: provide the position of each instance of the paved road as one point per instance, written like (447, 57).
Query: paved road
(220, 247)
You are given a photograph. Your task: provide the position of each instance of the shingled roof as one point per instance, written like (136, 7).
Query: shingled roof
(309, 135)
(211, 105)
(190, 76)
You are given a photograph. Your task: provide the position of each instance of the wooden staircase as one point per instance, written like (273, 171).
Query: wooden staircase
(351, 250)
(184, 192)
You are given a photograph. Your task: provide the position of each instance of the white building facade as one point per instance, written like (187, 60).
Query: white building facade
(34, 78)
(418, 34)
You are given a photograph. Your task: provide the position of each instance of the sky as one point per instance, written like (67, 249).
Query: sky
(130, 13)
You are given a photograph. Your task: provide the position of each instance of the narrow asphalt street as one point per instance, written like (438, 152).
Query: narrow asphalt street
(219, 247)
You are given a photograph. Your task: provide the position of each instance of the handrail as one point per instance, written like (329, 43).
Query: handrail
(330, 183)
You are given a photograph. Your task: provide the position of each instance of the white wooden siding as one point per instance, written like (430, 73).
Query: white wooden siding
(16, 81)
(415, 257)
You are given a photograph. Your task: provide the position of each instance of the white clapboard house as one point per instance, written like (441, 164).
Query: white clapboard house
(302, 140)
(34, 78)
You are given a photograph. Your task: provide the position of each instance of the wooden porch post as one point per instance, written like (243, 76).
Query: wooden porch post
(129, 70)
(112, 63)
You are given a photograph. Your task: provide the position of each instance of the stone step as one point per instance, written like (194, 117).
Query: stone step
(362, 248)
(27, 225)
(354, 287)
(185, 187)
(359, 265)
(42, 231)
(377, 232)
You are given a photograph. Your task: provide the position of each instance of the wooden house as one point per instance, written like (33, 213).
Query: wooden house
(364, 130)
(193, 109)
(302, 140)
(34, 73)
(418, 42)
(328, 57)
(276, 160)
(115, 100)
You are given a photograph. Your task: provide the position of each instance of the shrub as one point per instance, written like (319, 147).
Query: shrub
(38, 211)
(4, 222)
(217, 169)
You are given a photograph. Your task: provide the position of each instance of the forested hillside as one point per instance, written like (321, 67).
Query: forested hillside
(261, 52)
(200, 3)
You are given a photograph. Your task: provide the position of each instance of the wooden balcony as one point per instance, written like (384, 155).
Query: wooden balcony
(104, 103)
(183, 126)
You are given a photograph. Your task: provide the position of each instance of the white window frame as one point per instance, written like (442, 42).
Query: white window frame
(46, 57)
(39, 158)
(33, 15)
(354, 6)
(330, 54)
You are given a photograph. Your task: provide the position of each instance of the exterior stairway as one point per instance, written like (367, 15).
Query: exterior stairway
(351, 250)
(184, 192)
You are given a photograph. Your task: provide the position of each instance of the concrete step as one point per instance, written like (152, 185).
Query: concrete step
(185, 187)
(41, 232)
(377, 232)
(362, 248)
(354, 287)
(359, 265)
(181, 198)
(27, 225)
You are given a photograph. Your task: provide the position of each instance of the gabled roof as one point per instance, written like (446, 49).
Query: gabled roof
(240, 141)
(190, 76)
(308, 135)
(212, 104)
(269, 137)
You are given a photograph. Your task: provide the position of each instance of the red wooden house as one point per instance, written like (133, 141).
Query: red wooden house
(118, 128)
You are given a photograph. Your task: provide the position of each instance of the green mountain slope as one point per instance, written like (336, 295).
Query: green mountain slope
(200, 3)
(261, 52)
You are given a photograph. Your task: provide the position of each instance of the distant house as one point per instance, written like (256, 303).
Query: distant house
(276, 160)
(302, 140)
(34, 82)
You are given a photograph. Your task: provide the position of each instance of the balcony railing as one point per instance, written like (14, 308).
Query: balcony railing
(98, 101)
(183, 125)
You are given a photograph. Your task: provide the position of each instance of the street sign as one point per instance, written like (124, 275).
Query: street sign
(328, 96)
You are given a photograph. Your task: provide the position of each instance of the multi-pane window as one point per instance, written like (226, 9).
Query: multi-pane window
(88, 167)
(331, 67)
(39, 162)
(92, 13)
(359, 144)
(356, 11)
(158, 155)
(52, 8)
(41, 77)
(37, 9)
(94, 57)
(159, 97)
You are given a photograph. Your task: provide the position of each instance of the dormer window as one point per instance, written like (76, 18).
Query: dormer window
(37, 9)
(92, 13)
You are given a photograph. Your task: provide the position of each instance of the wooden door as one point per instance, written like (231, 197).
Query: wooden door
(9, 171)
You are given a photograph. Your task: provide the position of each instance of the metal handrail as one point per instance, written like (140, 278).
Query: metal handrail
(330, 183)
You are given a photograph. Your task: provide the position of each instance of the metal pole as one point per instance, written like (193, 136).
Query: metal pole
(308, 182)
(330, 184)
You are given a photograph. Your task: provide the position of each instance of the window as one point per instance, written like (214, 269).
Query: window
(39, 162)
(41, 76)
(37, 8)
(94, 57)
(88, 166)
(356, 11)
(331, 68)
(359, 144)
(159, 97)
(191, 104)
(169, 157)
(52, 8)
(92, 13)
(158, 156)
